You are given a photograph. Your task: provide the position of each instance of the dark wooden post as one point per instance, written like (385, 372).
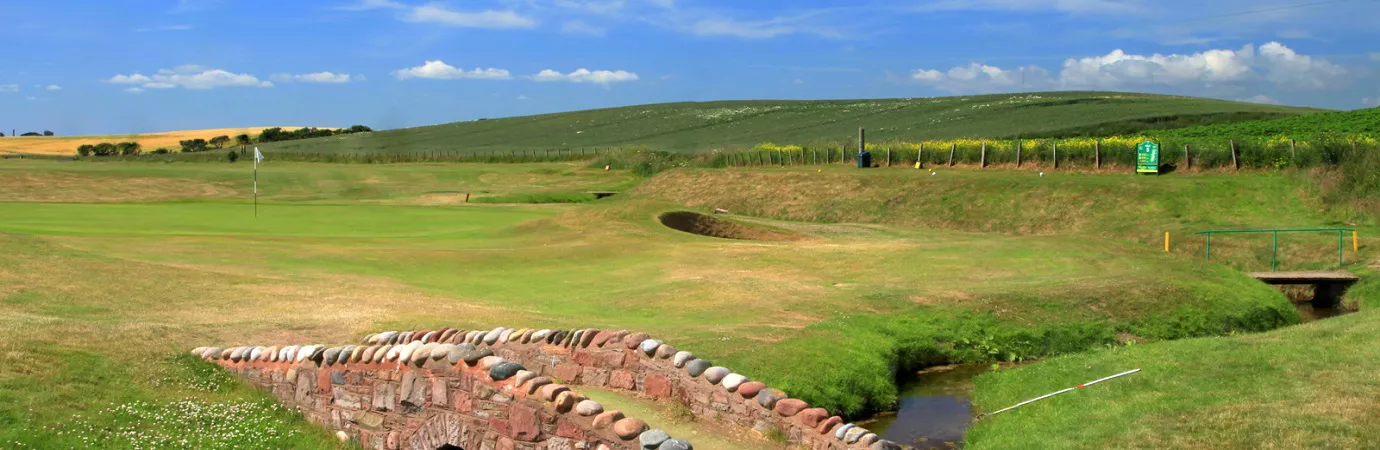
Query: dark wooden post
(1293, 153)
(982, 161)
(952, 148)
(888, 156)
(1018, 153)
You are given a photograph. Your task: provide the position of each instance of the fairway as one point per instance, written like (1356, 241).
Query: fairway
(339, 251)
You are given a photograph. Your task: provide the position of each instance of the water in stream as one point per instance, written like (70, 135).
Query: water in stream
(934, 410)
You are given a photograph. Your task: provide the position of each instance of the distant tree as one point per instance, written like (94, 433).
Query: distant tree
(161, 151)
(242, 141)
(2, 134)
(193, 145)
(272, 135)
(47, 133)
(359, 129)
(128, 148)
(219, 141)
(232, 156)
(104, 149)
(85, 149)
(31, 134)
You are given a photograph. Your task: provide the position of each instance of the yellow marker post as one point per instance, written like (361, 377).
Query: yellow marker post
(1166, 242)
(1355, 242)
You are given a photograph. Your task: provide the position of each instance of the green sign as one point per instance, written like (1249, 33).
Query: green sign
(1148, 157)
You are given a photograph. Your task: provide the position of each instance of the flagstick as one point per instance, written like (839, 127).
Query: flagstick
(256, 182)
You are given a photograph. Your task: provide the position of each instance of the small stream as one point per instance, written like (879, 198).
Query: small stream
(934, 409)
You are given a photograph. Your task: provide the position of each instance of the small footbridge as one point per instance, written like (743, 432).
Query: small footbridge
(1328, 285)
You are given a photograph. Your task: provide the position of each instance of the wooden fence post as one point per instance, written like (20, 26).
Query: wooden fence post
(920, 155)
(952, 147)
(1236, 165)
(1056, 155)
(1292, 151)
(982, 161)
(1018, 153)
(1188, 160)
(862, 140)
(888, 156)
(1097, 154)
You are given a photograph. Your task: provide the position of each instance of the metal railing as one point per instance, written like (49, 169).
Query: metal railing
(1274, 251)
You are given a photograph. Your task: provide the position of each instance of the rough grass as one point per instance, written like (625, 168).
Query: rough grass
(67, 145)
(742, 124)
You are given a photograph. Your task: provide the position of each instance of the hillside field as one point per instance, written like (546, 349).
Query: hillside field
(741, 124)
(342, 250)
(67, 145)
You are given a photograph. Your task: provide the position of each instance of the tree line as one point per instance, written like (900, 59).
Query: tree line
(34, 133)
(275, 134)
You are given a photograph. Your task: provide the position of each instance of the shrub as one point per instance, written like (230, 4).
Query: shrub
(232, 156)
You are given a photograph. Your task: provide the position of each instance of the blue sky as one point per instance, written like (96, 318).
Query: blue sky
(117, 66)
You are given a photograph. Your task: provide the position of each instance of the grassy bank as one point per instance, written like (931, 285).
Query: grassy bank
(1309, 386)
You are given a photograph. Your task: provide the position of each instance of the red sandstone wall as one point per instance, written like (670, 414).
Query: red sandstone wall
(619, 360)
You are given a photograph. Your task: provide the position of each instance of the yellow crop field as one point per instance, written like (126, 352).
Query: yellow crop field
(67, 145)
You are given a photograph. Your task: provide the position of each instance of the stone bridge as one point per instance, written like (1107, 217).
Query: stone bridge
(508, 389)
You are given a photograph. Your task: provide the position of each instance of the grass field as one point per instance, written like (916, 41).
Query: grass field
(1310, 386)
(102, 284)
(67, 145)
(742, 124)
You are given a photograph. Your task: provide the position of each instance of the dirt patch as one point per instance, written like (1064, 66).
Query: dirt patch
(705, 225)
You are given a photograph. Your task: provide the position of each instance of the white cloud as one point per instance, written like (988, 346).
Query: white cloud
(1262, 99)
(1285, 66)
(580, 27)
(1272, 63)
(190, 77)
(134, 90)
(30, 98)
(53, 87)
(496, 19)
(983, 78)
(439, 70)
(522, 97)
(318, 77)
(9, 88)
(365, 5)
(601, 77)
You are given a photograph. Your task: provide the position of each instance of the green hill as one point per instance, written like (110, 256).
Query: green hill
(725, 124)
(1362, 121)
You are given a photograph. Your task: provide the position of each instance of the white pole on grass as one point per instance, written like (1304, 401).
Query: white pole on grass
(1042, 397)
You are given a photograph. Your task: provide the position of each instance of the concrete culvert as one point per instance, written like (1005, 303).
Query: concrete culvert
(705, 225)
